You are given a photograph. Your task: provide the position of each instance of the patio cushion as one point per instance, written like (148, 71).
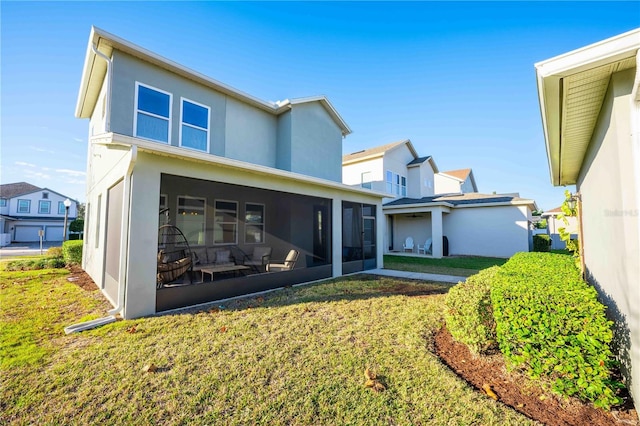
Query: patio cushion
(200, 256)
(222, 256)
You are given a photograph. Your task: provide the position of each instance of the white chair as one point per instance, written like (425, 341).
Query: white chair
(287, 264)
(408, 244)
(426, 248)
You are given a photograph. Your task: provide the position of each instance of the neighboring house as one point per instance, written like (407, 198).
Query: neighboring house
(590, 104)
(455, 181)
(238, 175)
(555, 222)
(474, 224)
(26, 209)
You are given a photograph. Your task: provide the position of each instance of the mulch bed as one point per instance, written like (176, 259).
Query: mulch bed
(80, 278)
(516, 390)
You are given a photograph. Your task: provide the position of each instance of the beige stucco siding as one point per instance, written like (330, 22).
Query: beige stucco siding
(609, 191)
(499, 231)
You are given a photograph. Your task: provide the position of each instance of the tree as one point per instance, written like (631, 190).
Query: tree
(77, 225)
(81, 209)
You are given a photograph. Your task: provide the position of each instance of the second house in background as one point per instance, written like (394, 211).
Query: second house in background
(442, 212)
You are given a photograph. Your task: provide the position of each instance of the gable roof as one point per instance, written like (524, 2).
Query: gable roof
(571, 90)
(95, 69)
(378, 151)
(10, 190)
(460, 174)
(553, 212)
(468, 199)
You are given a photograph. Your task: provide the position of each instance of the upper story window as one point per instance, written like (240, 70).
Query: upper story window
(152, 118)
(396, 184)
(61, 207)
(3, 202)
(45, 195)
(44, 207)
(194, 125)
(365, 181)
(24, 206)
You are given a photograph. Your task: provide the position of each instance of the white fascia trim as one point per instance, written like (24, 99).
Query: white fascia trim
(285, 105)
(417, 208)
(158, 148)
(444, 174)
(606, 51)
(414, 206)
(505, 203)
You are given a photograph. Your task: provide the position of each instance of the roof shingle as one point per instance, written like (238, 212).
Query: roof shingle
(10, 190)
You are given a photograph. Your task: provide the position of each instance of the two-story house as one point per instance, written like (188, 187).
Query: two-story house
(441, 212)
(27, 210)
(241, 178)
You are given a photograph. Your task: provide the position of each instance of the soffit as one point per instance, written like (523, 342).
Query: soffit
(583, 95)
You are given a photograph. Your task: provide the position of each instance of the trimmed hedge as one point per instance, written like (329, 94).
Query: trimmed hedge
(541, 243)
(550, 323)
(72, 252)
(469, 315)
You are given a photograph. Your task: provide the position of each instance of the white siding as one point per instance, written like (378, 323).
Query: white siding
(446, 185)
(352, 173)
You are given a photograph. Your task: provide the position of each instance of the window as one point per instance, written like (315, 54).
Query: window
(152, 118)
(225, 226)
(254, 223)
(191, 218)
(44, 207)
(61, 207)
(366, 180)
(396, 184)
(3, 202)
(24, 206)
(194, 125)
(45, 195)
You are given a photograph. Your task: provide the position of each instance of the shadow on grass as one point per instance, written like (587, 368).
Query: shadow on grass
(355, 287)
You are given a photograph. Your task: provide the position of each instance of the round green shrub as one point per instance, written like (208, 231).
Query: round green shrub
(469, 315)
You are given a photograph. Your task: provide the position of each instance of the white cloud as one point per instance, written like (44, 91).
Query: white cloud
(77, 139)
(23, 164)
(73, 173)
(32, 174)
(38, 149)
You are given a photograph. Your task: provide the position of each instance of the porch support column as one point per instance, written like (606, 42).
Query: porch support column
(436, 233)
(336, 240)
(381, 225)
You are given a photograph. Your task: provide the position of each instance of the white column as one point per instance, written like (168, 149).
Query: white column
(436, 232)
(381, 225)
(336, 240)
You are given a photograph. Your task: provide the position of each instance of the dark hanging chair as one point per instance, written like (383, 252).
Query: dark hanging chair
(174, 255)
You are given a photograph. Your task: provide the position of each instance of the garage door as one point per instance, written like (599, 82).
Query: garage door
(53, 233)
(26, 234)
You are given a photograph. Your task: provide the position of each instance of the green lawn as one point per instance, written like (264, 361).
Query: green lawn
(295, 356)
(464, 266)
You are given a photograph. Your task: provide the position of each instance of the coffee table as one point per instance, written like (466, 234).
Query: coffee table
(220, 269)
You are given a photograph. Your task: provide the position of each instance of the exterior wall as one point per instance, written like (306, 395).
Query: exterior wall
(283, 144)
(34, 198)
(315, 136)
(97, 122)
(609, 184)
(236, 130)
(352, 173)
(250, 134)
(554, 223)
(499, 231)
(427, 177)
(142, 231)
(446, 185)
(467, 186)
(414, 184)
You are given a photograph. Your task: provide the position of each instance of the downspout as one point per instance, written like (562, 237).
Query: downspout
(107, 124)
(124, 236)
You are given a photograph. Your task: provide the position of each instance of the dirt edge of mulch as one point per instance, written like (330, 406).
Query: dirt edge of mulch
(80, 278)
(515, 389)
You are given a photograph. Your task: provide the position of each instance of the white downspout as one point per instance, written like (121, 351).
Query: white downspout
(107, 124)
(124, 235)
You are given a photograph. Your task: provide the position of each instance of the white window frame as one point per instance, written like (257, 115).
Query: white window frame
(136, 111)
(43, 203)
(215, 214)
(182, 123)
(204, 214)
(262, 224)
(61, 207)
(19, 210)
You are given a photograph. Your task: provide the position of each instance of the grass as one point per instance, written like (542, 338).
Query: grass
(464, 266)
(295, 356)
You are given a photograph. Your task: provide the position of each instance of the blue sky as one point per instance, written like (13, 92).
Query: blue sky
(456, 78)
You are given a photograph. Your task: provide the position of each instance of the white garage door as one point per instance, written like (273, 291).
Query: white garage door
(26, 234)
(53, 233)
